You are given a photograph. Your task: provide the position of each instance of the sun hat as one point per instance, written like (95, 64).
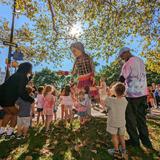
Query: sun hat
(124, 49)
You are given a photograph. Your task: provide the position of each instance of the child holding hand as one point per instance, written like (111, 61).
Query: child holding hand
(49, 103)
(116, 107)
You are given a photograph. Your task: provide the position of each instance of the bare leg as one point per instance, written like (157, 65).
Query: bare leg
(115, 142)
(25, 131)
(6, 120)
(42, 115)
(19, 130)
(38, 116)
(62, 111)
(122, 142)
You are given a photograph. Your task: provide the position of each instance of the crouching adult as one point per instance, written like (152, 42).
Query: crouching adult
(10, 91)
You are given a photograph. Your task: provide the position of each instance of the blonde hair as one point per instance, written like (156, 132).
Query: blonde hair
(47, 89)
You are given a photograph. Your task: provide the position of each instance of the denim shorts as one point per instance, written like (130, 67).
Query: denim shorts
(82, 114)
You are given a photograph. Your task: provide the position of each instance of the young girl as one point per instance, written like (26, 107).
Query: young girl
(87, 97)
(40, 104)
(49, 102)
(67, 102)
(102, 92)
(150, 101)
(81, 107)
(94, 92)
(55, 106)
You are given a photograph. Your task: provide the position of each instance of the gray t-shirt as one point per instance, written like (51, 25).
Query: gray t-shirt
(116, 111)
(24, 108)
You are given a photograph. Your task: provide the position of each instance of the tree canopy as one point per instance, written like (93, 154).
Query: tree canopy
(106, 25)
(46, 76)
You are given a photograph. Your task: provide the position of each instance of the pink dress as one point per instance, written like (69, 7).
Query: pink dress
(49, 103)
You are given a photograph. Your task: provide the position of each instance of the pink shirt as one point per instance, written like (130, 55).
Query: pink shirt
(135, 77)
(66, 100)
(40, 101)
(49, 101)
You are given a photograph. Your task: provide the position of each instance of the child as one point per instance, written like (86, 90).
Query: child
(62, 105)
(24, 115)
(102, 92)
(116, 107)
(40, 103)
(94, 92)
(2, 113)
(49, 103)
(67, 102)
(81, 107)
(55, 106)
(150, 101)
(87, 97)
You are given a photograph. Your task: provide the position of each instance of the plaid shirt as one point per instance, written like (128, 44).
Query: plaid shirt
(83, 65)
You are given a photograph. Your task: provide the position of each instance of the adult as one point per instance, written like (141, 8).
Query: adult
(134, 75)
(83, 66)
(11, 90)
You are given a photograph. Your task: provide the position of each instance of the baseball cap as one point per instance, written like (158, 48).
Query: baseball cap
(124, 49)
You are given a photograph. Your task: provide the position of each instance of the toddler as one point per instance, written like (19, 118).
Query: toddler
(49, 103)
(81, 107)
(116, 107)
(40, 104)
(67, 102)
(24, 115)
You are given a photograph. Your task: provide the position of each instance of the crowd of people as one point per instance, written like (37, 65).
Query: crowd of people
(125, 102)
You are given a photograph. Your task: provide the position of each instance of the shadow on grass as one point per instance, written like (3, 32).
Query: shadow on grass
(68, 142)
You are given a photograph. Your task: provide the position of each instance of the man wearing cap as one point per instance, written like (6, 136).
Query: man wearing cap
(133, 74)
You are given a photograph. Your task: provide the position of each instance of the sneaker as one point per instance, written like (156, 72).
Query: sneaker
(19, 137)
(9, 131)
(2, 131)
(117, 155)
(111, 152)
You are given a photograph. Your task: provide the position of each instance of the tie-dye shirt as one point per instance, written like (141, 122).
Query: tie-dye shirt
(135, 77)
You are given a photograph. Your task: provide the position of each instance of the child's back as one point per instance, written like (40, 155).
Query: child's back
(40, 101)
(24, 108)
(116, 108)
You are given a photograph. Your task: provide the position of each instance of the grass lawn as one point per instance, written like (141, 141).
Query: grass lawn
(73, 143)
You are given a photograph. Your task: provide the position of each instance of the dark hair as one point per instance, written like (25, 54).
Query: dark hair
(29, 89)
(25, 67)
(40, 89)
(67, 90)
(87, 89)
(119, 89)
(54, 93)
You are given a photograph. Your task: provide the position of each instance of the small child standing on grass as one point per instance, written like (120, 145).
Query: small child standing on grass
(49, 103)
(67, 102)
(81, 107)
(26, 109)
(116, 107)
(40, 104)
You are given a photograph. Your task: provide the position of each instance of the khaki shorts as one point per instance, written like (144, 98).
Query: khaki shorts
(24, 121)
(116, 131)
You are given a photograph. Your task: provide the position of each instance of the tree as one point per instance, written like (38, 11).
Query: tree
(106, 26)
(46, 76)
(111, 72)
